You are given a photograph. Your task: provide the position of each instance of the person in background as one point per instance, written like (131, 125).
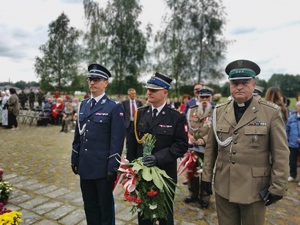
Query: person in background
(45, 116)
(294, 109)
(175, 103)
(130, 106)
(23, 98)
(293, 134)
(97, 148)
(185, 99)
(40, 98)
(246, 151)
(257, 93)
(194, 100)
(273, 94)
(2, 94)
(199, 121)
(57, 109)
(31, 97)
(170, 130)
(67, 116)
(13, 109)
(5, 109)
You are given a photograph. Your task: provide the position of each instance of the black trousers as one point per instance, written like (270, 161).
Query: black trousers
(12, 120)
(131, 144)
(98, 201)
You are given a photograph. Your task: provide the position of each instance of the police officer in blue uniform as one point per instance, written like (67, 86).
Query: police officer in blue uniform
(170, 130)
(97, 146)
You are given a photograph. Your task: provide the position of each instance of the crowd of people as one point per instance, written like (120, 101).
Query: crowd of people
(244, 150)
(243, 146)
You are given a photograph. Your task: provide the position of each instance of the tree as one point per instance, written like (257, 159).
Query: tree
(115, 34)
(205, 44)
(58, 66)
(191, 46)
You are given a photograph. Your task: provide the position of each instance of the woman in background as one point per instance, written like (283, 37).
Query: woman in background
(274, 95)
(185, 99)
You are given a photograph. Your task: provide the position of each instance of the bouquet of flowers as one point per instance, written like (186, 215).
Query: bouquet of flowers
(5, 188)
(8, 217)
(149, 189)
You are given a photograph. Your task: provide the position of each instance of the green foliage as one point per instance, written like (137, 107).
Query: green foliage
(115, 40)
(191, 45)
(61, 52)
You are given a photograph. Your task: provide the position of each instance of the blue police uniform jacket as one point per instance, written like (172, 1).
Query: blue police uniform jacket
(171, 132)
(98, 138)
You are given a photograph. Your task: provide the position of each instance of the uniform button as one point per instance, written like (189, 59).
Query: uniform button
(87, 130)
(86, 140)
(235, 132)
(101, 121)
(233, 162)
(234, 152)
(85, 149)
(89, 121)
(235, 142)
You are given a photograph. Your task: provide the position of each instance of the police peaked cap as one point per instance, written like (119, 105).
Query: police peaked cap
(159, 81)
(258, 90)
(98, 71)
(242, 70)
(205, 91)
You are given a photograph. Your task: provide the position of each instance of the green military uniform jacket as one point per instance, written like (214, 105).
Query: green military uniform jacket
(199, 123)
(257, 157)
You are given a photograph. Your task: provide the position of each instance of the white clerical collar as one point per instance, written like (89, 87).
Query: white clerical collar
(241, 104)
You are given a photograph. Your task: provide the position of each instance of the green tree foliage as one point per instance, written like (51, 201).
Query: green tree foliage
(115, 40)
(191, 45)
(289, 84)
(58, 65)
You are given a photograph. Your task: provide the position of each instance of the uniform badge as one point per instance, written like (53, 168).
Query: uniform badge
(186, 128)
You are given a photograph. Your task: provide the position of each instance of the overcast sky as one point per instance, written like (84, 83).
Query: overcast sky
(265, 31)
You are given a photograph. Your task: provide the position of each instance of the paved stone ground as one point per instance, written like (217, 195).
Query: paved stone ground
(36, 161)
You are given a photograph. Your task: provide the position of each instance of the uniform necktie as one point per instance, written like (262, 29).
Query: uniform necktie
(154, 114)
(93, 103)
(132, 108)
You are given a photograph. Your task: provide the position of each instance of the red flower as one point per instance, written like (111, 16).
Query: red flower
(152, 193)
(138, 200)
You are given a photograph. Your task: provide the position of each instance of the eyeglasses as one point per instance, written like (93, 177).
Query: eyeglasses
(237, 82)
(95, 80)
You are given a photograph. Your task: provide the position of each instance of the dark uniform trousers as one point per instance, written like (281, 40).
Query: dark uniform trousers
(230, 213)
(94, 211)
(195, 182)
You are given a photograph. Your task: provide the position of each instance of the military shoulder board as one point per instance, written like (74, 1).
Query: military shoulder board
(222, 104)
(271, 104)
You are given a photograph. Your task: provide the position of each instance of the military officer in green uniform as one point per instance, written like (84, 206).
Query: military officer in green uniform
(40, 97)
(248, 147)
(199, 119)
(31, 97)
(23, 98)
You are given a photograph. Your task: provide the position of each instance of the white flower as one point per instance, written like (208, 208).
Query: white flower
(152, 207)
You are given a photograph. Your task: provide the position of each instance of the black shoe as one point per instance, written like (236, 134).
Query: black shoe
(190, 199)
(204, 204)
